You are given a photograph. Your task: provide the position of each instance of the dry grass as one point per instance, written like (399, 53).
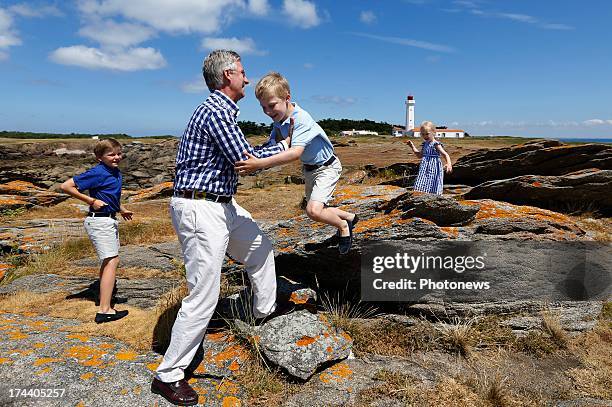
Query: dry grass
(69, 209)
(552, 327)
(594, 349)
(272, 203)
(599, 229)
(166, 311)
(55, 260)
(459, 336)
(146, 232)
(383, 337)
(344, 311)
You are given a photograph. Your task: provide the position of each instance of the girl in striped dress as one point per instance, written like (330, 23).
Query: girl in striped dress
(431, 174)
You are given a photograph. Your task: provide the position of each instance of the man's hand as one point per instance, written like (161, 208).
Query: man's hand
(98, 204)
(248, 166)
(127, 215)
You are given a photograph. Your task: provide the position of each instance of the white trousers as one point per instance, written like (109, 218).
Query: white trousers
(206, 230)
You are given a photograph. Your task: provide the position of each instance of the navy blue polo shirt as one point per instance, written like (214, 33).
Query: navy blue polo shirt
(103, 183)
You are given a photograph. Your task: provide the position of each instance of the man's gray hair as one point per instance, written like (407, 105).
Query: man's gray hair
(215, 63)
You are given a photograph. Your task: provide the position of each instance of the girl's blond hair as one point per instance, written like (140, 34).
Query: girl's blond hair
(428, 128)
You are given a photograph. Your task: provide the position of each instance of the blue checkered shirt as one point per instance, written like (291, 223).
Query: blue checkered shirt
(211, 144)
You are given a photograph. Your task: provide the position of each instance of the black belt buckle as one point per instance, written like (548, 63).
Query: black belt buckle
(312, 167)
(203, 195)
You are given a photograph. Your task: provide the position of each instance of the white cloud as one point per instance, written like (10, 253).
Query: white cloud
(563, 27)
(596, 122)
(244, 46)
(8, 35)
(183, 16)
(302, 13)
(308, 65)
(523, 18)
(367, 17)
(195, 86)
(3, 56)
(111, 33)
(131, 59)
(334, 100)
(259, 7)
(25, 10)
(409, 42)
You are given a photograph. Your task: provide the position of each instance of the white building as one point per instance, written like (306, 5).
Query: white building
(358, 133)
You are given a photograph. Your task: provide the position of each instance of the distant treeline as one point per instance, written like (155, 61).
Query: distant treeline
(26, 135)
(331, 126)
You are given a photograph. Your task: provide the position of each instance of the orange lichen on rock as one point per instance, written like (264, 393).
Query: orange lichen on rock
(5, 360)
(298, 298)
(126, 355)
(17, 334)
(219, 337)
(451, 231)
(153, 366)
(337, 373)
(44, 361)
(39, 345)
(80, 337)
(232, 353)
(231, 401)
(86, 355)
(44, 371)
(227, 387)
(305, 341)
(536, 184)
(87, 376)
(492, 209)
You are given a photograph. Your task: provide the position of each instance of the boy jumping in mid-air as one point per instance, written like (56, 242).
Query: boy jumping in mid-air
(322, 169)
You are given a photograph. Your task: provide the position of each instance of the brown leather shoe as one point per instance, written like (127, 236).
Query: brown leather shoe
(179, 393)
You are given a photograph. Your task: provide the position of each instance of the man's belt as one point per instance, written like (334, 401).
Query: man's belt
(209, 196)
(312, 167)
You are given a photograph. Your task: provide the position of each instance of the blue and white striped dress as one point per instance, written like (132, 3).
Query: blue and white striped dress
(431, 172)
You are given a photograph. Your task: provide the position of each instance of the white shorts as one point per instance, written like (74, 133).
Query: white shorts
(104, 235)
(321, 183)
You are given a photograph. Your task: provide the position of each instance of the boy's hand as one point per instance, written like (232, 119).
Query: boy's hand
(409, 142)
(248, 166)
(98, 204)
(448, 168)
(127, 215)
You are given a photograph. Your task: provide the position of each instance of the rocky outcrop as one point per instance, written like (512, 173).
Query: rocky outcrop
(21, 194)
(41, 352)
(441, 210)
(163, 190)
(305, 248)
(48, 164)
(587, 190)
(143, 293)
(539, 157)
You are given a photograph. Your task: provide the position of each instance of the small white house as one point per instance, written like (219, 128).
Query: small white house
(442, 133)
(358, 133)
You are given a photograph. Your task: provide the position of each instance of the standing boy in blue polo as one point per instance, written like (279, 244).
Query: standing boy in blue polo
(322, 169)
(104, 184)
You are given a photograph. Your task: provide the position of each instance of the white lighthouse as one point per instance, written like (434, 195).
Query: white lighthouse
(409, 113)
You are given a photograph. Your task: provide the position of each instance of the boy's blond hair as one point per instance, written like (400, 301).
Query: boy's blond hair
(272, 84)
(428, 128)
(105, 145)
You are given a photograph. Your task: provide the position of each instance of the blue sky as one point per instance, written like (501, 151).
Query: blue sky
(514, 67)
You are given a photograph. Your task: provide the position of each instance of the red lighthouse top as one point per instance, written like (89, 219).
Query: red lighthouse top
(410, 97)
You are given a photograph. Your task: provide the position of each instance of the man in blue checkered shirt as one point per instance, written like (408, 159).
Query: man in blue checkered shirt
(209, 222)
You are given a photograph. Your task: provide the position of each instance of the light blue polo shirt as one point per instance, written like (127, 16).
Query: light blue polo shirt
(308, 134)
